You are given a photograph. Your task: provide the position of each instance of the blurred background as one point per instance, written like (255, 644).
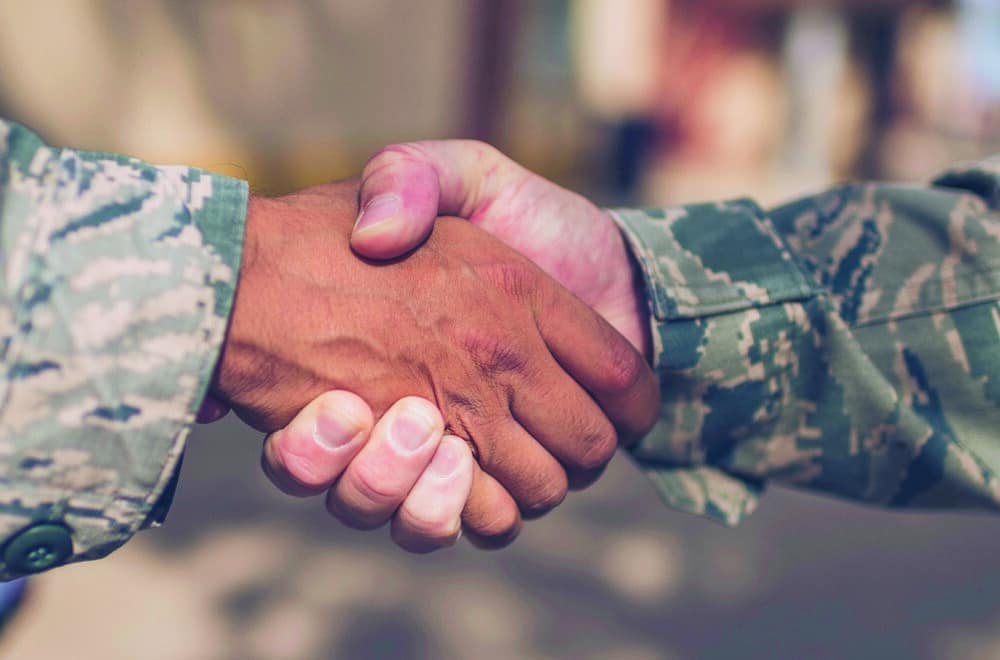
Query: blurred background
(632, 102)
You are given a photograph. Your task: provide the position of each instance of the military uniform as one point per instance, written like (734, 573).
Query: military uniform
(846, 343)
(117, 283)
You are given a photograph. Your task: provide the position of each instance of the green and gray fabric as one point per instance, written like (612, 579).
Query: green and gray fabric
(117, 279)
(847, 343)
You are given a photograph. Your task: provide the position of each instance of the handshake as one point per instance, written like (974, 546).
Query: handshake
(457, 380)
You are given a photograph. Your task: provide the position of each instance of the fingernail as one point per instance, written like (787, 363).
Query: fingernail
(410, 430)
(446, 459)
(334, 433)
(378, 209)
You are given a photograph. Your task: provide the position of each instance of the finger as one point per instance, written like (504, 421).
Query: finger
(383, 473)
(309, 454)
(212, 410)
(584, 479)
(405, 187)
(431, 515)
(601, 360)
(490, 519)
(527, 471)
(570, 425)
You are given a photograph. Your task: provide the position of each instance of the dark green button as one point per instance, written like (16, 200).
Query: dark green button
(43, 546)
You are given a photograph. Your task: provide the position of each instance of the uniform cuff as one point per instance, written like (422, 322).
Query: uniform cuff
(707, 268)
(118, 284)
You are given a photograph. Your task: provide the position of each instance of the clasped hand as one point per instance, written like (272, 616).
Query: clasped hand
(496, 389)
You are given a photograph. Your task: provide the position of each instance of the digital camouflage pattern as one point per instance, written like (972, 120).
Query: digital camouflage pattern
(847, 343)
(117, 278)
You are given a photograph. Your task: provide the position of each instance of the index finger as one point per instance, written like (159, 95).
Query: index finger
(600, 359)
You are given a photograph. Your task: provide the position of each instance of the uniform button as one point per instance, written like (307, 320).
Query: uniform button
(39, 547)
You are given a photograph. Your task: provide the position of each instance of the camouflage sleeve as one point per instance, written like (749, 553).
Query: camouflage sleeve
(847, 343)
(117, 278)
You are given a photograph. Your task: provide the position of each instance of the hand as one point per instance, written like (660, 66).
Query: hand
(405, 187)
(330, 446)
(465, 322)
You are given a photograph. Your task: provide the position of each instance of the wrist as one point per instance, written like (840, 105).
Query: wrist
(255, 220)
(293, 255)
(635, 310)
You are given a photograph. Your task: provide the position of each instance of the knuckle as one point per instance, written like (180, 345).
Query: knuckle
(491, 352)
(547, 495)
(485, 149)
(491, 156)
(481, 426)
(625, 367)
(390, 155)
(484, 152)
(599, 448)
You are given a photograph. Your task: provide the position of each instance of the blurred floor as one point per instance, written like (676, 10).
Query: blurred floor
(241, 571)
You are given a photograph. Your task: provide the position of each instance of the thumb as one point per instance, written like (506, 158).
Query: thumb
(405, 187)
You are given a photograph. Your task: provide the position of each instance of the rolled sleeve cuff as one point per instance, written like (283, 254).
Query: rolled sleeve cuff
(707, 268)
